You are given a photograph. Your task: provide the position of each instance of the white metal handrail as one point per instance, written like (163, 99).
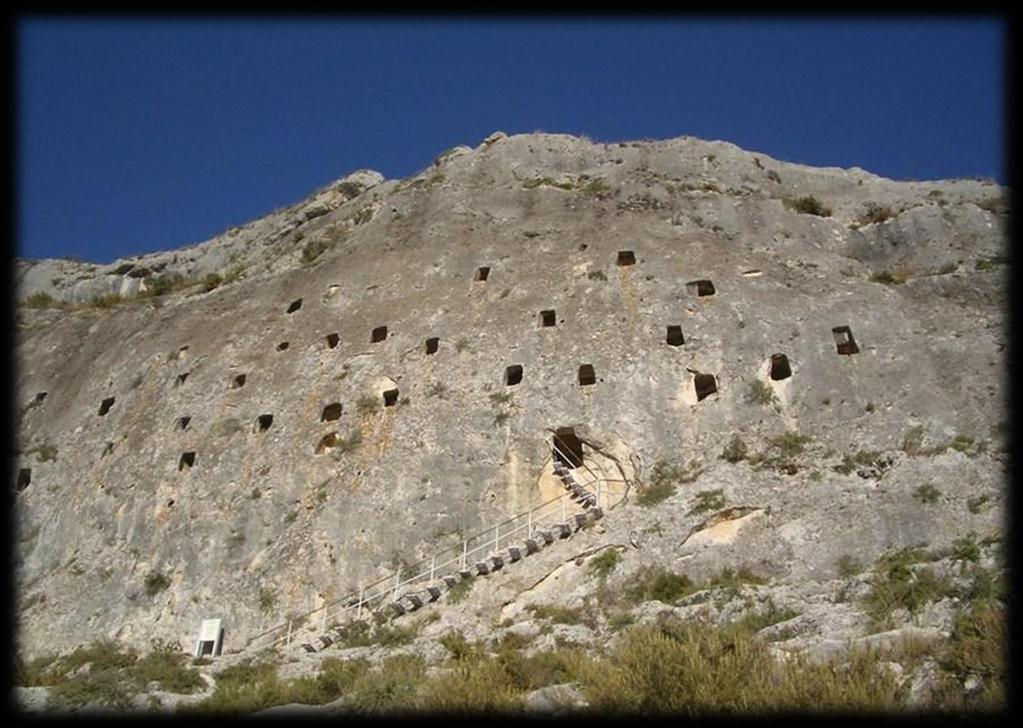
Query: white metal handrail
(448, 561)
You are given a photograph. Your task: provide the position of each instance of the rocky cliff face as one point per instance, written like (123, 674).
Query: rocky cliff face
(337, 394)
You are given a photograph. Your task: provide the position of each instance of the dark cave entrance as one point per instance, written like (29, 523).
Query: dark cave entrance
(568, 448)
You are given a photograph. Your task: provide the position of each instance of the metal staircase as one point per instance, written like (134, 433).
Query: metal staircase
(586, 498)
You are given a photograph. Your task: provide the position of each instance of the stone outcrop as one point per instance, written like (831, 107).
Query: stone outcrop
(260, 448)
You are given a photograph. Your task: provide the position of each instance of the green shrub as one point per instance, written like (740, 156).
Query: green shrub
(735, 450)
(876, 214)
(211, 281)
(978, 647)
(895, 585)
(363, 216)
(990, 262)
(652, 582)
(753, 622)
(603, 564)
(393, 686)
(267, 600)
(888, 278)
(663, 479)
(155, 582)
(966, 548)
(851, 462)
(166, 665)
(926, 493)
(595, 187)
(976, 504)
(458, 647)
(708, 500)
(809, 205)
(961, 443)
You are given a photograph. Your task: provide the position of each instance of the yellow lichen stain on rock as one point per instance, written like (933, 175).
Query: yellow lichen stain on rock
(628, 294)
(721, 530)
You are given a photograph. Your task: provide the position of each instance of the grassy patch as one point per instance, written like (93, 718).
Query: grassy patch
(348, 444)
(848, 566)
(461, 590)
(790, 443)
(663, 479)
(267, 600)
(760, 393)
(990, 262)
(367, 404)
(976, 504)
(42, 299)
(501, 397)
(875, 214)
(596, 275)
(557, 614)
(652, 582)
(708, 500)
(895, 584)
(313, 249)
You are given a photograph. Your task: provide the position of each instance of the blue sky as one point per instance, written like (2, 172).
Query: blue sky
(142, 135)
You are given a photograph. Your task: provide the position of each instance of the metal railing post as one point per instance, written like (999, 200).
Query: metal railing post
(358, 609)
(433, 566)
(465, 551)
(497, 537)
(288, 643)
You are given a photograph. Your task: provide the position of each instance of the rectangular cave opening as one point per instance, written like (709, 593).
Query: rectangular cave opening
(780, 368)
(211, 638)
(238, 382)
(513, 375)
(183, 422)
(295, 305)
(705, 385)
(844, 340)
(332, 340)
(24, 478)
(105, 405)
(378, 335)
(331, 412)
(702, 287)
(482, 273)
(675, 337)
(568, 448)
(390, 397)
(548, 318)
(626, 257)
(263, 422)
(187, 460)
(283, 346)
(180, 379)
(431, 345)
(586, 375)
(40, 396)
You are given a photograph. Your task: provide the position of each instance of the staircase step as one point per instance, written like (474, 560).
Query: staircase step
(398, 607)
(415, 600)
(563, 530)
(466, 573)
(482, 567)
(432, 593)
(597, 513)
(449, 580)
(497, 561)
(308, 647)
(580, 520)
(325, 641)
(532, 545)
(547, 536)
(514, 553)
